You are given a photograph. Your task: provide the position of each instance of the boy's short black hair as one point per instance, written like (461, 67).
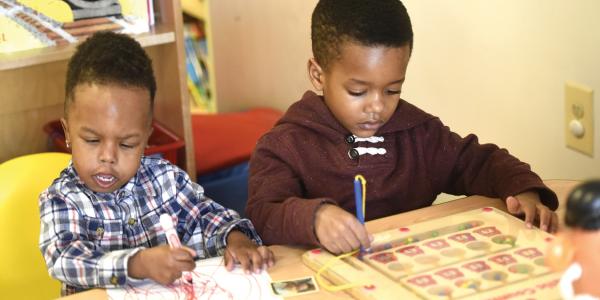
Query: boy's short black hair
(583, 206)
(110, 58)
(365, 22)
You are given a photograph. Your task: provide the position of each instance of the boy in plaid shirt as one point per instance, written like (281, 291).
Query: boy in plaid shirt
(100, 219)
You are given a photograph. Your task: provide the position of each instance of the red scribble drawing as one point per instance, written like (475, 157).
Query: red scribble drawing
(210, 281)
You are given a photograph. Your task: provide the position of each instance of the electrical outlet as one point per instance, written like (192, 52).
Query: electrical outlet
(579, 122)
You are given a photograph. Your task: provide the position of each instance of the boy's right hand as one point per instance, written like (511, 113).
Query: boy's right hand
(162, 263)
(339, 231)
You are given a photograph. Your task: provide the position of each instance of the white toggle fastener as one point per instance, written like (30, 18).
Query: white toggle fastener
(370, 150)
(371, 139)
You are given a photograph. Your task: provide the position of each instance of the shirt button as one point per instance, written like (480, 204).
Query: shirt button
(350, 139)
(114, 280)
(100, 231)
(353, 153)
(131, 221)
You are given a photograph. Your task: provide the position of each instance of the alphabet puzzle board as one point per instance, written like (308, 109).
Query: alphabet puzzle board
(478, 254)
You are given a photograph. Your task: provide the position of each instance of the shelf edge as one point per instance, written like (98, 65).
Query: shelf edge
(40, 56)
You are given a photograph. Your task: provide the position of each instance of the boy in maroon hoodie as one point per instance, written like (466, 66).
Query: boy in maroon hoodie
(302, 171)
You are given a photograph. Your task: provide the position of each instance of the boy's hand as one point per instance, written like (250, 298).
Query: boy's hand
(161, 263)
(529, 204)
(339, 231)
(240, 249)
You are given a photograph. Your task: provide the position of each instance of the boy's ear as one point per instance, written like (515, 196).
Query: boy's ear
(315, 74)
(149, 135)
(65, 127)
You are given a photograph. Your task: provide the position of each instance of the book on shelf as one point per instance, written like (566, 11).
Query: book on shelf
(198, 80)
(29, 24)
(150, 12)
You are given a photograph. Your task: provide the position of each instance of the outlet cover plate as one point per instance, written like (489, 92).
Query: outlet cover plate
(579, 106)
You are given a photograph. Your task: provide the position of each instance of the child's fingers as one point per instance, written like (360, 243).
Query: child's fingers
(545, 216)
(518, 207)
(168, 278)
(335, 242)
(513, 205)
(333, 247)
(360, 234)
(245, 261)
(182, 254)
(348, 242)
(548, 220)
(256, 261)
(229, 260)
(191, 251)
(530, 214)
(353, 234)
(267, 255)
(186, 266)
(181, 262)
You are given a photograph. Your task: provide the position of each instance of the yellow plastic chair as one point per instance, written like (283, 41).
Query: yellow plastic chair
(23, 273)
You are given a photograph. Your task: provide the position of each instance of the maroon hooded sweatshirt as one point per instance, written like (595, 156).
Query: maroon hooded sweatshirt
(306, 160)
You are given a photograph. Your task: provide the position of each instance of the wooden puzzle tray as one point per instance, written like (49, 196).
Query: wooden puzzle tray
(478, 254)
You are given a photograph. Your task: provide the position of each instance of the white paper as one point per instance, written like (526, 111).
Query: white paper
(210, 281)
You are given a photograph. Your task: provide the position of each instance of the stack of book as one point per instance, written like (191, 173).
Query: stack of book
(196, 58)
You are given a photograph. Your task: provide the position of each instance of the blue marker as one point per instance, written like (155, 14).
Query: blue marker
(358, 198)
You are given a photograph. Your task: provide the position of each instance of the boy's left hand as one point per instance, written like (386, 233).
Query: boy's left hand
(240, 249)
(529, 204)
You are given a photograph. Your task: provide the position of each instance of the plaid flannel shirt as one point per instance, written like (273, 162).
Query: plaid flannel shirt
(87, 237)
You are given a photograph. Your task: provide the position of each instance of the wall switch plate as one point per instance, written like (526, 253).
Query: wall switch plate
(579, 121)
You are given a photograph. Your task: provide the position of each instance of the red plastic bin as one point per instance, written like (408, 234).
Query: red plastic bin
(162, 141)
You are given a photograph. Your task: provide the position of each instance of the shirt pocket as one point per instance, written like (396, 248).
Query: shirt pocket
(108, 234)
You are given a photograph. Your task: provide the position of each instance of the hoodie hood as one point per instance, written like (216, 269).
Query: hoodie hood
(312, 112)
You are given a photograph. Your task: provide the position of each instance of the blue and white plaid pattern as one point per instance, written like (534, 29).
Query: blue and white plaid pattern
(87, 237)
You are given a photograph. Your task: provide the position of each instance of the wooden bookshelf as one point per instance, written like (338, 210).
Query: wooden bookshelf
(200, 9)
(32, 88)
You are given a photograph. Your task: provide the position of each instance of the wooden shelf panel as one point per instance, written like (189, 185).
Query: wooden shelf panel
(159, 35)
(32, 84)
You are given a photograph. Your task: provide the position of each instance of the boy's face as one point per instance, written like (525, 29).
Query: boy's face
(362, 86)
(108, 127)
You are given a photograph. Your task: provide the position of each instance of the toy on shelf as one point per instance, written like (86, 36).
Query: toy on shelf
(576, 248)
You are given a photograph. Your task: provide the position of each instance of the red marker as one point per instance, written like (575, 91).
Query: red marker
(167, 224)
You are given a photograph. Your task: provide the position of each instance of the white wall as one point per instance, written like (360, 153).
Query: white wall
(495, 68)
(260, 52)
